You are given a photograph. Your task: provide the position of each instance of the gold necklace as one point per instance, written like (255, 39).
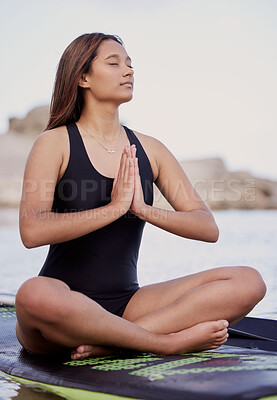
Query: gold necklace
(106, 148)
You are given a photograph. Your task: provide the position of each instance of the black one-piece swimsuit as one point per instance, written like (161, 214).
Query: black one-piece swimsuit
(102, 264)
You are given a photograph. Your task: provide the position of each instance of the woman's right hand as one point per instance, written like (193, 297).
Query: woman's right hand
(124, 182)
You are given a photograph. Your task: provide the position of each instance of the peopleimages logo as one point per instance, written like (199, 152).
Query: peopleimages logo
(213, 190)
(250, 190)
(70, 190)
(230, 190)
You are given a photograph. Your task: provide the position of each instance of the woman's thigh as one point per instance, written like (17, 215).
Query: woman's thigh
(158, 295)
(32, 307)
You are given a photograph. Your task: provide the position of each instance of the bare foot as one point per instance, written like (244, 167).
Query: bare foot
(203, 336)
(88, 350)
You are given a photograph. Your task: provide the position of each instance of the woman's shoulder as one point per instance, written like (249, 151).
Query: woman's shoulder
(56, 135)
(56, 138)
(153, 148)
(52, 141)
(148, 140)
(53, 146)
(154, 144)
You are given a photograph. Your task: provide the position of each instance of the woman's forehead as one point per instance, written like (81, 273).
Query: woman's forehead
(110, 48)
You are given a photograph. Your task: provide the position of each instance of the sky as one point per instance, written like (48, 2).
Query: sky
(205, 70)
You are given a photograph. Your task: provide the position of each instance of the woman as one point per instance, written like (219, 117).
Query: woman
(88, 191)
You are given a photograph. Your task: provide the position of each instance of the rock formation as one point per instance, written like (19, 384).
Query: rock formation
(34, 122)
(222, 189)
(14, 150)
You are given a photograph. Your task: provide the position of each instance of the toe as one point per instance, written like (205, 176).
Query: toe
(221, 334)
(222, 325)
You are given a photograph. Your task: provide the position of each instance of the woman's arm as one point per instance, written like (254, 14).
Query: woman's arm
(38, 224)
(192, 218)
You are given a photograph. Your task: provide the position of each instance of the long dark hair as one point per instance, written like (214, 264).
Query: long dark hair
(68, 97)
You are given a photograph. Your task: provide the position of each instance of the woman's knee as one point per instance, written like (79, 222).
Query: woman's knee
(38, 298)
(252, 285)
(26, 295)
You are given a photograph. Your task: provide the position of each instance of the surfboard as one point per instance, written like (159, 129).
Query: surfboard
(244, 368)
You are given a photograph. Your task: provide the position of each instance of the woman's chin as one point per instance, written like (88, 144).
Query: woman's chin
(125, 99)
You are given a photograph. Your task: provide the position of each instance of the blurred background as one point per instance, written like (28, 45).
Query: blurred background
(205, 85)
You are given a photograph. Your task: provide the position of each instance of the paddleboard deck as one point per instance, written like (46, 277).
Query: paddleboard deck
(230, 372)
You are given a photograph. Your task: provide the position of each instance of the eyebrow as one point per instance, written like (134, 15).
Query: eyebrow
(117, 56)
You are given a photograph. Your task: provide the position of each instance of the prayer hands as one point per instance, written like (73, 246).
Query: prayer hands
(138, 203)
(127, 193)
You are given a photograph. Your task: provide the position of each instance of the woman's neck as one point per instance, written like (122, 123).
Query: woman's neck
(101, 120)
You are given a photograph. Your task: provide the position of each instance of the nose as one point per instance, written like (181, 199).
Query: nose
(128, 71)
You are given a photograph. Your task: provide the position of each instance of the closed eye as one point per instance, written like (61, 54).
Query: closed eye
(129, 66)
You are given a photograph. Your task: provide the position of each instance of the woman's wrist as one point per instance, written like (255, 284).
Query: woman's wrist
(116, 209)
(143, 213)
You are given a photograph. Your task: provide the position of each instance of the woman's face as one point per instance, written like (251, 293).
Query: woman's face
(112, 77)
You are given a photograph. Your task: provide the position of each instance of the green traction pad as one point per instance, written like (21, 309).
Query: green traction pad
(226, 373)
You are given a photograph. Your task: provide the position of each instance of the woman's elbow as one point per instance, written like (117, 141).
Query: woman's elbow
(209, 228)
(28, 241)
(214, 234)
(28, 236)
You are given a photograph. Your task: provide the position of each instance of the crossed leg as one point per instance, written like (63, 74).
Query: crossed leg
(228, 292)
(186, 303)
(52, 318)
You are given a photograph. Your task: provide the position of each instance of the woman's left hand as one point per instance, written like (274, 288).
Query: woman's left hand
(138, 204)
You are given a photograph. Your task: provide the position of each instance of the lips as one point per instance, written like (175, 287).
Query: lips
(129, 83)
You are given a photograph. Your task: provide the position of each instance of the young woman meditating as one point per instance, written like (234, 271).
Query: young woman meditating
(87, 192)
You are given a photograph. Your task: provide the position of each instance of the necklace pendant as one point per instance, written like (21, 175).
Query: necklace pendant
(108, 150)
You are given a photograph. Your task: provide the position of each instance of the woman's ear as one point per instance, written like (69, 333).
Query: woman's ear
(83, 82)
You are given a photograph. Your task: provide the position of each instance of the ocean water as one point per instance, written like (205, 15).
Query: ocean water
(246, 238)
